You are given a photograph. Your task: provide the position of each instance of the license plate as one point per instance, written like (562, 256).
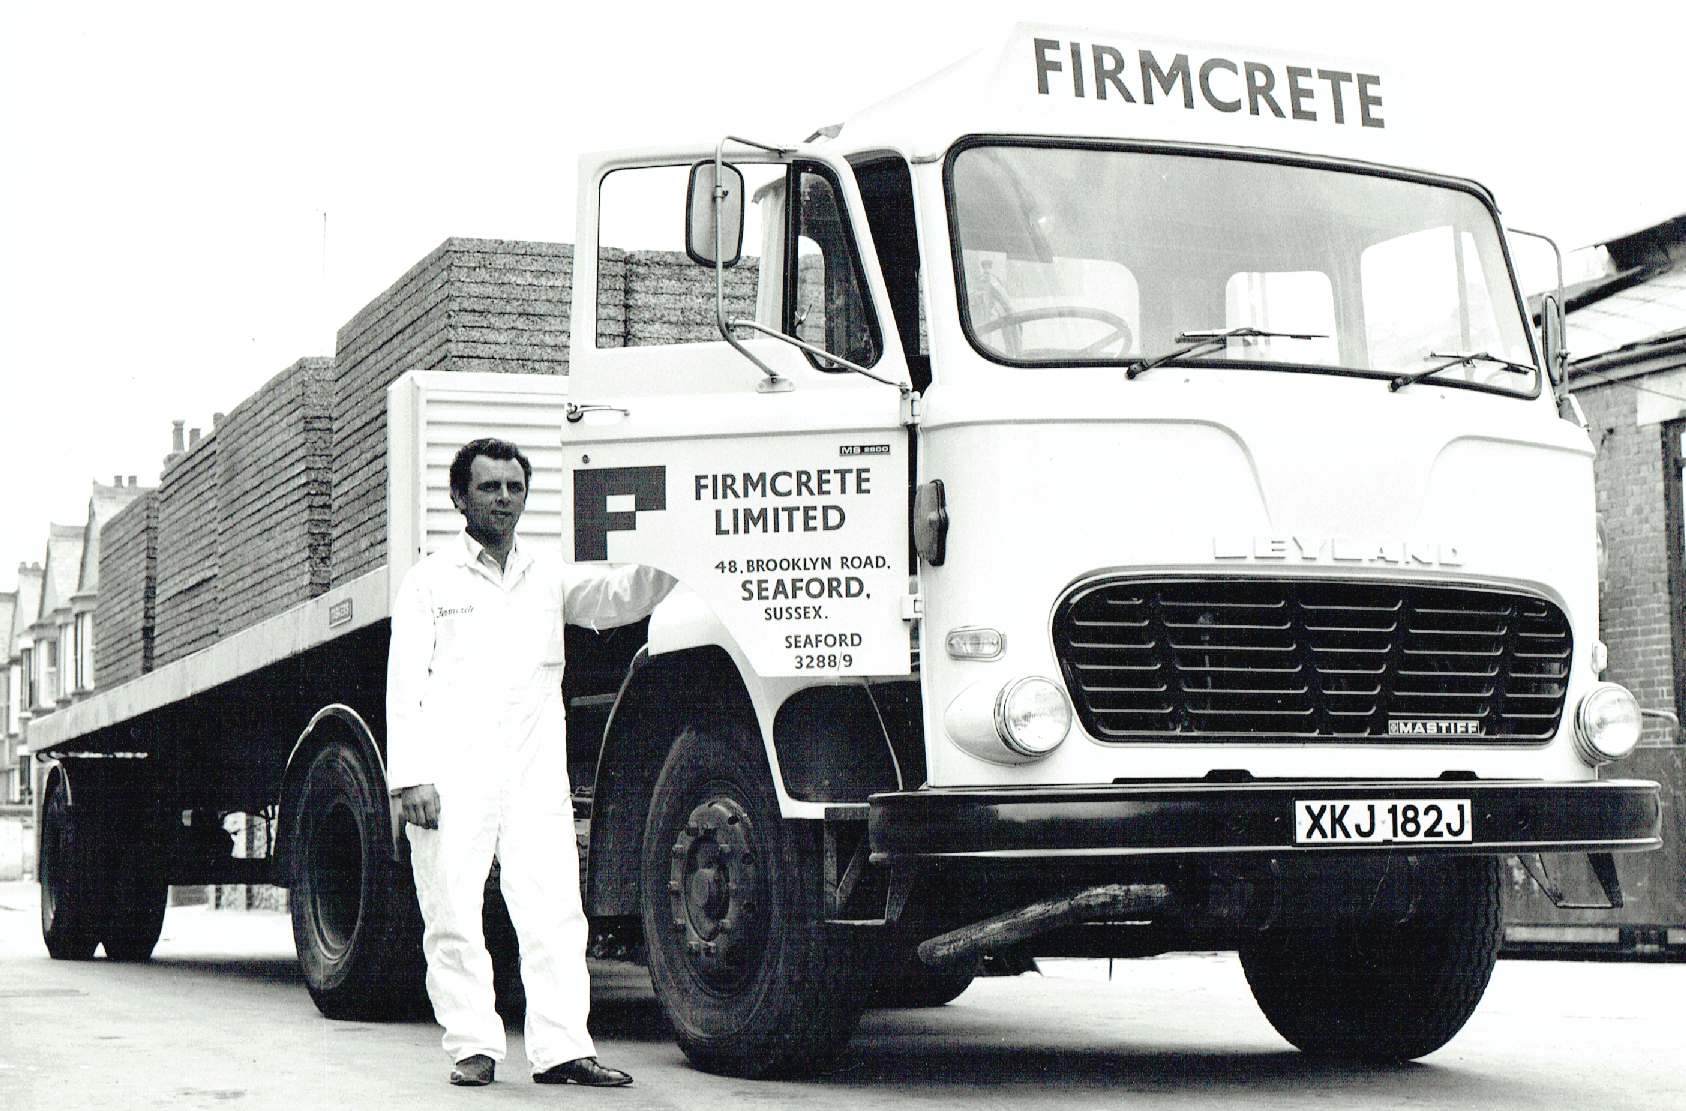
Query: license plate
(1383, 821)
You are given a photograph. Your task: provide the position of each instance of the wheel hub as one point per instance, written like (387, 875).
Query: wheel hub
(714, 890)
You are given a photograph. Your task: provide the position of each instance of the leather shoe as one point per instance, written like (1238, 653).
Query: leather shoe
(473, 1072)
(586, 1071)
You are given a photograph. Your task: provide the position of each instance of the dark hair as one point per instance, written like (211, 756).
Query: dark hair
(491, 448)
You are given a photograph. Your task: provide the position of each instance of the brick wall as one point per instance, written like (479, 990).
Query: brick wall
(189, 524)
(1634, 594)
(123, 611)
(273, 496)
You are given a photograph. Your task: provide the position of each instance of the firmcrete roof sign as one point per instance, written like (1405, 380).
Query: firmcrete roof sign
(1110, 84)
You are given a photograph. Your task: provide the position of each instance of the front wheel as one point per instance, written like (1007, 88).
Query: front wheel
(746, 972)
(1385, 991)
(355, 921)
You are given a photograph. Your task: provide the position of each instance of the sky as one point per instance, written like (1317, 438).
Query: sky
(194, 195)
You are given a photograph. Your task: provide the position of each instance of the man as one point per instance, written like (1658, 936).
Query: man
(476, 752)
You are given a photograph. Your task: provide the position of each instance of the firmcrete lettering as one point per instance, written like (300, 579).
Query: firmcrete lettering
(809, 516)
(1230, 85)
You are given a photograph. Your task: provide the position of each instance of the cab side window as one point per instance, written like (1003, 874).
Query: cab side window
(648, 290)
(827, 302)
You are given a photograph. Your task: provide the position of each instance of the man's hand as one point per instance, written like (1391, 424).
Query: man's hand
(421, 805)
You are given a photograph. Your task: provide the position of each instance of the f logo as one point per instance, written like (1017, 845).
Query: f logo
(595, 519)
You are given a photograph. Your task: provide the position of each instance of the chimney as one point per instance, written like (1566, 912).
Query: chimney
(176, 444)
(192, 437)
(216, 420)
(131, 480)
(117, 480)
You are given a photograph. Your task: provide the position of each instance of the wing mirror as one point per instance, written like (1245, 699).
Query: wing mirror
(714, 210)
(1552, 338)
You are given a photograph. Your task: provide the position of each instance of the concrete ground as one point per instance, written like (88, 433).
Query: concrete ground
(220, 1019)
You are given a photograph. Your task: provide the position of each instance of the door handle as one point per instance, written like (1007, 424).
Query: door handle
(576, 412)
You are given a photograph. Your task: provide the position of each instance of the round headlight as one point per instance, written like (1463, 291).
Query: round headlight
(1607, 724)
(1032, 715)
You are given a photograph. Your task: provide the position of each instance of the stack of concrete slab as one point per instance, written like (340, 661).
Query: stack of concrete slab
(123, 611)
(472, 304)
(670, 299)
(273, 496)
(189, 524)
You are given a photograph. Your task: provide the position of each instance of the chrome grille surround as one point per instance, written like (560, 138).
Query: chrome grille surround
(1291, 659)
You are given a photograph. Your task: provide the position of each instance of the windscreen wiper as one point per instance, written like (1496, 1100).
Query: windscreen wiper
(1452, 359)
(1200, 342)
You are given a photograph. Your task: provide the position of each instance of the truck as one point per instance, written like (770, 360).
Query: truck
(1130, 512)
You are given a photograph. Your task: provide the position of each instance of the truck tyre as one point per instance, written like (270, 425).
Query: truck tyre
(356, 924)
(136, 899)
(71, 900)
(750, 979)
(1384, 991)
(905, 981)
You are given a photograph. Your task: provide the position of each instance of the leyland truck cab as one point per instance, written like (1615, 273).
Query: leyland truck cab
(1122, 506)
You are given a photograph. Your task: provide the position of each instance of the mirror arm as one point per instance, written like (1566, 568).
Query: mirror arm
(817, 352)
(774, 383)
(1558, 374)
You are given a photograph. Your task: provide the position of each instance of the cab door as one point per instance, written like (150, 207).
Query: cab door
(777, 492)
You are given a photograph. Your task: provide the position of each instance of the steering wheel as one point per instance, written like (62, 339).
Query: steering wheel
(1120, 332)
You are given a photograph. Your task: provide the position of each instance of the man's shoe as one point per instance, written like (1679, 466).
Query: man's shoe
(473, 1072)
(583, 1070)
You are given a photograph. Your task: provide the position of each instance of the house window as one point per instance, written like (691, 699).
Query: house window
(84, 651)
(48, 659)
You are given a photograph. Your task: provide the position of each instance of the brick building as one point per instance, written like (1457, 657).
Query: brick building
(1627, 344)
(50, 631)
(20, 673)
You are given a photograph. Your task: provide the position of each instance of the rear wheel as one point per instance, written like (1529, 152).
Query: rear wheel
(747, 973)
(72, 904)
(355, 921)
(136, 893)
(1385, 991)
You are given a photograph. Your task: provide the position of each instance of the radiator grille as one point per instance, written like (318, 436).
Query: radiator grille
(1290, 659)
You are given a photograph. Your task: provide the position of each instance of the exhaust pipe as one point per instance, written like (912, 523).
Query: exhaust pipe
(968, 943)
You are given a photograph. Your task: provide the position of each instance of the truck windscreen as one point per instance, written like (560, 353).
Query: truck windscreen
(1080, 255)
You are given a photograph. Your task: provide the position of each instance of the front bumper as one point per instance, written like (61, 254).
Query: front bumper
(1206, 819)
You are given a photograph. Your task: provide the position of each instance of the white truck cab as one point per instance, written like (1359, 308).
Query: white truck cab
(1121, 508)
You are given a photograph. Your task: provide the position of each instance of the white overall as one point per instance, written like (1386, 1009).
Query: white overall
(474, 707)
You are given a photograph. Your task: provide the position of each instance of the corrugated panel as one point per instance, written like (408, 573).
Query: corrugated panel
(432, 414)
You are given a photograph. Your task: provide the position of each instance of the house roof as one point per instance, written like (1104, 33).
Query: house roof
(103, 504)
(62, 568)
(28, 607)
(8, 611)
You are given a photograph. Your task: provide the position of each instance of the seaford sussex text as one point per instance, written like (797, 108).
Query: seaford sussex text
(1307, 93)
(783, 487)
